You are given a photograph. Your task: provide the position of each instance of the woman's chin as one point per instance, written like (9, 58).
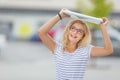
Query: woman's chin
(73, 40)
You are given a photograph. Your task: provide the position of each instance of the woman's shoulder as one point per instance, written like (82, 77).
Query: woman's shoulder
(58, 47)
(58, 43)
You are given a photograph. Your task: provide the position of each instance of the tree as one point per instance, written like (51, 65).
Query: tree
(96, 8)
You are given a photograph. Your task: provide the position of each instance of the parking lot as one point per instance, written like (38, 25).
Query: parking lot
(32, 61)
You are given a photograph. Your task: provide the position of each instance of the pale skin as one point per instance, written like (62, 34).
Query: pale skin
(74, 37)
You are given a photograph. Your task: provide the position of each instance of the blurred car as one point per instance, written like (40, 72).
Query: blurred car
(115, 38)
(36, 37)
(3, 41)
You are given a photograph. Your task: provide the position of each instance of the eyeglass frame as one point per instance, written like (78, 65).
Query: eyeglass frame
(73, 28)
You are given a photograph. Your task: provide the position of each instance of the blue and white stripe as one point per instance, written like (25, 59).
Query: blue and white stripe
(71, 66)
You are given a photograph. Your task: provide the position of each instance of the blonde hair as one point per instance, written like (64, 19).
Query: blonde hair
(86, 37)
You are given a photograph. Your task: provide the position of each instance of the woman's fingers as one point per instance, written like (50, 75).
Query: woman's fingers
(105, 21)
(63, 14)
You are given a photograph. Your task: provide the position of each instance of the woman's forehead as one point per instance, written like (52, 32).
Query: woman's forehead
(78, 25)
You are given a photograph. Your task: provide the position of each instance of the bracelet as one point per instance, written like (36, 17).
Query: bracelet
(59, 16)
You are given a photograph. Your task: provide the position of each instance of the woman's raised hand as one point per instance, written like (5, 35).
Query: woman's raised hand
(105, 22)
(63, 14)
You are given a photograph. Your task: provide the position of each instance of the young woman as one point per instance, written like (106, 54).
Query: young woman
(73, 52)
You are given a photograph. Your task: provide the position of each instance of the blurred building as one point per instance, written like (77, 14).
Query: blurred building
(20, 19)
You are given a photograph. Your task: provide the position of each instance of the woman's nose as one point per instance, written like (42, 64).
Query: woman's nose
(75, 31)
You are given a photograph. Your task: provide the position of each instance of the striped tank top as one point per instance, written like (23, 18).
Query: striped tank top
(71, 66)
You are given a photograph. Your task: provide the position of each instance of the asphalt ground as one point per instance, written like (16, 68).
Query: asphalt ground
(33, 61)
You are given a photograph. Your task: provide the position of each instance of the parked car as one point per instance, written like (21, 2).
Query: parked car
(3, 41)
(36, 37)
(115, 38)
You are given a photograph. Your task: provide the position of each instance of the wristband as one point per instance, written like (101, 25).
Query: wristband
(59, 16)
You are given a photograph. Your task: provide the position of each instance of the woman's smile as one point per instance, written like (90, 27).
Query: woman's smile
(76, 32)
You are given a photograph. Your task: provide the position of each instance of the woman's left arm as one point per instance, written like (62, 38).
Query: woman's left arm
(107, 49)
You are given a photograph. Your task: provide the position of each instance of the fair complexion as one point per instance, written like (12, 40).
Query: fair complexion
(107, 48)
(74, 37)
(43, 31)
(76, 33)
(96, 51)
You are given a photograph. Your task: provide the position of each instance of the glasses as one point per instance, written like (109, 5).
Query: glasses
(80, 31)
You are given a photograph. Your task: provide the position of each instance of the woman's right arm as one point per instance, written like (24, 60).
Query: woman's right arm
(43, 31)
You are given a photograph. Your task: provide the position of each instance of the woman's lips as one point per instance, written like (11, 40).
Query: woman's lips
(73, 36)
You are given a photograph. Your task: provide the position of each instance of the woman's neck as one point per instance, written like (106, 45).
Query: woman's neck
(72, 44)
(71, 47)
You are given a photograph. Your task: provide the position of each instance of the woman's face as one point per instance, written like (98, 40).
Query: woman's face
(76, 32)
